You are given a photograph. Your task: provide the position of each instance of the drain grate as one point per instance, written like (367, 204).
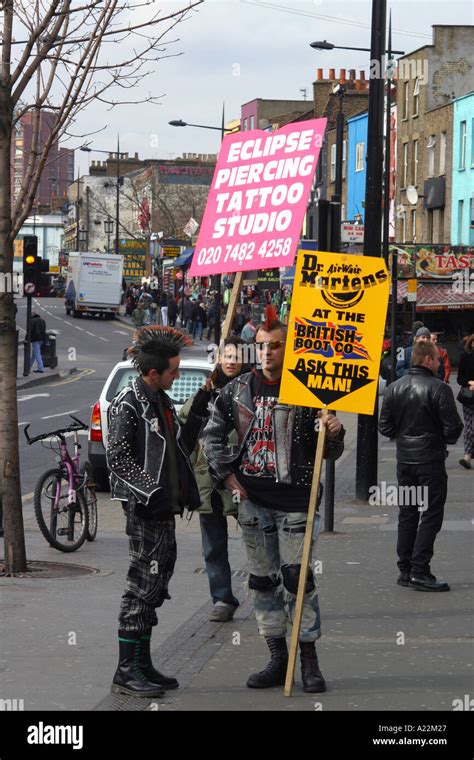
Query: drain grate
(50, 570)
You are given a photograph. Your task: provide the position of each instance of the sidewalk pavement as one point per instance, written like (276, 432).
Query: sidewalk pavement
(383, 647)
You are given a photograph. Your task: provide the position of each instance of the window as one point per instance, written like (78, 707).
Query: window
(431, 155)
(430, 225)
(405, 100)
(460, 222)
(344, 159)
(462, 145)
(403, 219)
(442, 153)
(416, 97)
(360, 157)
(333, 163)
(441, 226)
(251, 122)
(405, 165)
(245, 125)
(415, 162)
(413, 225)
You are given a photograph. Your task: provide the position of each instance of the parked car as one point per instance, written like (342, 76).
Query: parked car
(193, 373)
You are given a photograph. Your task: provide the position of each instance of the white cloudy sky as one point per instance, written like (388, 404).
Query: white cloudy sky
(269, 42)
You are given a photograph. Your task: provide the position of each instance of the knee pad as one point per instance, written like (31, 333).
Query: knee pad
(291, 574)
(263, 582)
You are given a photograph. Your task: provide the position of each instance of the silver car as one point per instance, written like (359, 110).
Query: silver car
(193, 374)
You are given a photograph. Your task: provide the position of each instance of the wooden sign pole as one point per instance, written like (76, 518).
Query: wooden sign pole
(308, 539)
(231, 309)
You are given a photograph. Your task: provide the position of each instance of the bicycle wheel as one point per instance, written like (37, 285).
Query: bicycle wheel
(64, 528)
(91, 500)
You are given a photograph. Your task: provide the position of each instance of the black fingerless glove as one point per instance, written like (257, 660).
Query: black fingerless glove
(199, 407)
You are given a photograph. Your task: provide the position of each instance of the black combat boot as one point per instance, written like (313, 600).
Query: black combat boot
(311, 675)
(275, 672)
(129, 678)
(146, 666)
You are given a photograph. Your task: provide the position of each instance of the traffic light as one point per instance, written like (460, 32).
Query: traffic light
(31, 264)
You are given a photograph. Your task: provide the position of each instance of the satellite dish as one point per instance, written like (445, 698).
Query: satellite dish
(412, 195)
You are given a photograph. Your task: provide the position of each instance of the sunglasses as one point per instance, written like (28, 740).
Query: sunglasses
(271, 344)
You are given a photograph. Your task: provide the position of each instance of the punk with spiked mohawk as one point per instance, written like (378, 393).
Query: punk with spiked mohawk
(154, 346)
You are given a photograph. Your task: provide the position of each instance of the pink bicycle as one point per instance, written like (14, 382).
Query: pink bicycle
(65, 502)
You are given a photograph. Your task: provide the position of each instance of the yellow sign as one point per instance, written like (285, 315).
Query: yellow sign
(412, 286)
(335, 331)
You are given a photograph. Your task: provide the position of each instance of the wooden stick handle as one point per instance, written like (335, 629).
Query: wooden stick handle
(308, 539)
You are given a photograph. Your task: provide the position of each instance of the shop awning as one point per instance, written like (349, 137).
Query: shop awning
(437, 297)
(184, 259)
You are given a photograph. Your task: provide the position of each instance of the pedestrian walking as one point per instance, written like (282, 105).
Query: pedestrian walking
(217, 504)
(172, 311)
(211, 318)
(270, 471)
(466, 398)
(150, 470)
(37, 337)
(164, 309)
(443, 357)
(419, 411)
(403, 366)
(139, 315)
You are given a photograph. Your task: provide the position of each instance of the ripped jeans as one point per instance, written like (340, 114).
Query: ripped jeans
(274, 543)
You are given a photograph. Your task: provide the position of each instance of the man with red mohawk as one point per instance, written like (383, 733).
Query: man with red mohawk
(271, 471)
(147, 453)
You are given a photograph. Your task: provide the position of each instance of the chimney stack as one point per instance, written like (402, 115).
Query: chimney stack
(352, 75)
(332, 74)
(320, 74)
(342, 76)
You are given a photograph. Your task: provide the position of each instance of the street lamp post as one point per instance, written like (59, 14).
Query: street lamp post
(108, 229)
(367, 440)
(222, 130)
(118, 179)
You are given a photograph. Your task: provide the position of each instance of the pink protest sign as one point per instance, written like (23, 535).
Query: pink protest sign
(257, 202)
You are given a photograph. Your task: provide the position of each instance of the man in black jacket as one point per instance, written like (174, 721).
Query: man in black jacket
(147, 453)
(270, 472)
(37, 336)
(419, 411)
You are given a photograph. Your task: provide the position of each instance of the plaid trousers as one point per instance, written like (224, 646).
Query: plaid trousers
(152, 548)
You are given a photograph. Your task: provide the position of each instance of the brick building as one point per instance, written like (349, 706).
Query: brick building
(429, 79)
(58, 171)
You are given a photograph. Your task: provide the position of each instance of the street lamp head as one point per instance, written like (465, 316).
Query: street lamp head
(177, 123)
(339, 89)
(86, 149)
(322, 45)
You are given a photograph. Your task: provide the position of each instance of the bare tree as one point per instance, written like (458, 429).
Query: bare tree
(58, 55)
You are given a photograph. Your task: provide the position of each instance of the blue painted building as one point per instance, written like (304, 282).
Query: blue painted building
(356, 166)
(462, 203)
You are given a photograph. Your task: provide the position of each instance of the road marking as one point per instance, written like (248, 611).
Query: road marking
(68, 323)
(22, 423)
(35, 395)
(89, 333)
(120, 332)
(27, 496)
(101, 338)
(83, 373)
(21, 328)
(79, 328)
(56, 332)
(61, 414)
